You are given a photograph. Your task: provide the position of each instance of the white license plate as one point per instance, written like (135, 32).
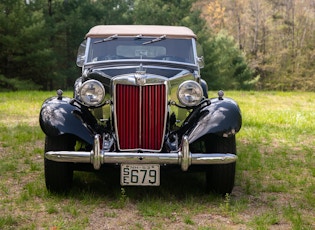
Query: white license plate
(140, 174)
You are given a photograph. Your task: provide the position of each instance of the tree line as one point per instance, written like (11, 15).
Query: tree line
(277, 36)
(39, 40)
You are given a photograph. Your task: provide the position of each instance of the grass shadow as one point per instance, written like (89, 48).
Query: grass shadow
(175, 185)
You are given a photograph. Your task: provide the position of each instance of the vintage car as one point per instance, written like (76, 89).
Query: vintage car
(140, 105)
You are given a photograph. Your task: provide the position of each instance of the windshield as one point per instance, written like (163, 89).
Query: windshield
(167, 49)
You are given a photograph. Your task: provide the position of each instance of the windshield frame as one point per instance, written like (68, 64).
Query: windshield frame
(95, 46)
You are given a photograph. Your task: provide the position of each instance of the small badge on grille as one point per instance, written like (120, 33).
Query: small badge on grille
(140, 78)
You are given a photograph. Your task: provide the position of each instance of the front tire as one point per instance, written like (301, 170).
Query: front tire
(58, 175)
(220, 178)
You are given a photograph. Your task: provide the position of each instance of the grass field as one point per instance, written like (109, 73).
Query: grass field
(275, 178)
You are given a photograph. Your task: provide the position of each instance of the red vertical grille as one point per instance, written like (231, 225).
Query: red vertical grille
(140, 115)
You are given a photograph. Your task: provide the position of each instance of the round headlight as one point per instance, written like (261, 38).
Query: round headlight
(189, 93)
(92, 93)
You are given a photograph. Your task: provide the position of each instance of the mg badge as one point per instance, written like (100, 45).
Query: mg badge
(140, 78)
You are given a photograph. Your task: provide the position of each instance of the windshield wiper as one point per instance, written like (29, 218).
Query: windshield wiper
(139, 36)
(155, 40)
(110, 38)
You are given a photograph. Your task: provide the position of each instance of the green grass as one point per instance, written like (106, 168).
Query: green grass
(275, 178)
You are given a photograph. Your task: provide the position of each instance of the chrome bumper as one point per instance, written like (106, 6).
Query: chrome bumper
(184, 157)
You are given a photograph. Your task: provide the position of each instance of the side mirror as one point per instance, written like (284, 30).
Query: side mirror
(200, 62)
(81, 54)
(200, 59)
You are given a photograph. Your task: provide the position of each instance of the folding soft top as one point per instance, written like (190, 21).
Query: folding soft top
(144, 30)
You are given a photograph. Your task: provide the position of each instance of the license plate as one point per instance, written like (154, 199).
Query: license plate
(140, 174)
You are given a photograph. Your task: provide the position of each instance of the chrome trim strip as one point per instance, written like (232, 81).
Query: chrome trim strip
(145, 61)
(140, 114)
(184, 157)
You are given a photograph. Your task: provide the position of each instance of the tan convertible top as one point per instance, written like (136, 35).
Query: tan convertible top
(144, 30)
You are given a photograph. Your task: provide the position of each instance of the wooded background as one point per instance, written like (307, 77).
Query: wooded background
(247, 44)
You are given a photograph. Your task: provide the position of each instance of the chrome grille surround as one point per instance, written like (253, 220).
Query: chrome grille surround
(135, 122)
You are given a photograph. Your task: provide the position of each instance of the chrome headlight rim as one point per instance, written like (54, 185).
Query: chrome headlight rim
(86, 96)
(197, 96)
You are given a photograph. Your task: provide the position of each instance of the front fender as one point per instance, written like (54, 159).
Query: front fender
(58, 116)
(221, 117)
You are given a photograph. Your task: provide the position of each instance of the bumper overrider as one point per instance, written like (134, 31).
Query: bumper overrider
(184, 157)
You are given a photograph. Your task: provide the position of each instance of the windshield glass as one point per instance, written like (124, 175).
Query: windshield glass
(167, 49)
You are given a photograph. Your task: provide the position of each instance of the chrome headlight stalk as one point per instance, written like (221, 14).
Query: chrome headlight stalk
(92, 93)
(190, 93)
(77, 86)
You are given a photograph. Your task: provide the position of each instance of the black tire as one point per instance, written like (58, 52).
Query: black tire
(220, 178)
(58, 175)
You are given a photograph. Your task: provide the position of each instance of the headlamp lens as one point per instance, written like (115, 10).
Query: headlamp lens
(92, 93)
(189, 93)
